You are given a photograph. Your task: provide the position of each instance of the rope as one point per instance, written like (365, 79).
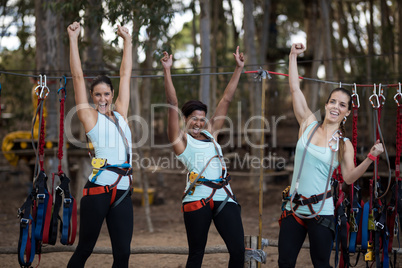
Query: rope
(62, 99)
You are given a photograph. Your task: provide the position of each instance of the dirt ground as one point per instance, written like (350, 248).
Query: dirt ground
(167, 222)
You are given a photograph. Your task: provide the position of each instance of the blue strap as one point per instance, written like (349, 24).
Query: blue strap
(353, 235)
(67, 212)
(124, 165)
(41, 214)
(385, 250)
(364, 226)
(24, 228)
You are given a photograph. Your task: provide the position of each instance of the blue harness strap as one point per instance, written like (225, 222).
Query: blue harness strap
(353, 233)
(42, 199)
(26, 242)
(366, 211)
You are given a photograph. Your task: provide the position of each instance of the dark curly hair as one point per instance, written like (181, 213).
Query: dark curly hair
(193, 105)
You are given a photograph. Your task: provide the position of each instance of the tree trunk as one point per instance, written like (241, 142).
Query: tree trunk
(214, 54)
(314, 51)
(50, 57)
(255, 87)
(205, 27)
(324, 7)
(265, 32)
(135, 104)
(93, 55)
(194, 35)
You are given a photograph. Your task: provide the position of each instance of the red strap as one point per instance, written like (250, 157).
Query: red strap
(41, 144)
(96, 190)
(61, 134)
(192, 206)
(114, 191)
(48, 217)
(72, 231)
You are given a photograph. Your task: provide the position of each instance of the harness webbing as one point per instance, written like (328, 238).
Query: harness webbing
(294, 194)
(222, 182)
(124, 169)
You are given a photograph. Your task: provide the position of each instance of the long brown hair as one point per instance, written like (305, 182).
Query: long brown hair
(341, 125)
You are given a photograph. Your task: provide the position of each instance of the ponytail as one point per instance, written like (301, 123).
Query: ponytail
(341, 142)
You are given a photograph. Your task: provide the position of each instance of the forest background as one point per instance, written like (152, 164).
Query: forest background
(348, 41)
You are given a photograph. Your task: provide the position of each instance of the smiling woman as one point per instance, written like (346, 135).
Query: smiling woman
(320, 149)
(208, 195)
(106, 195)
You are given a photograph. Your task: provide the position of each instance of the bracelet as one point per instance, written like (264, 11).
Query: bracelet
(372, 157)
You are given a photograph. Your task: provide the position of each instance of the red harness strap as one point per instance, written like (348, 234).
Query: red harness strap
(196, 205)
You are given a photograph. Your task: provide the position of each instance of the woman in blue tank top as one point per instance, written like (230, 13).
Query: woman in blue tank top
(319, 150)
(107, 193)
(208, 195)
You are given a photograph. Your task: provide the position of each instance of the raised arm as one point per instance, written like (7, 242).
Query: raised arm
(123, 99)
(350, 173)
(86, 113)
(300, 108)
(175, 135)
(218, 119)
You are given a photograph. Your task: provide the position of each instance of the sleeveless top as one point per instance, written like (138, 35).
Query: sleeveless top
(195, 157)
(314, 173)
(109, 144)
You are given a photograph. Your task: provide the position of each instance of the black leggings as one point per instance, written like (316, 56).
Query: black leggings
(94, 209)
(292, 235)
(229, 225)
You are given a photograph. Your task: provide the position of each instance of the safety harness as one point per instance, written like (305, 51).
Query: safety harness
(301, 200)
(197, 179)
(62, 193)
(34, 213)
(99, 165)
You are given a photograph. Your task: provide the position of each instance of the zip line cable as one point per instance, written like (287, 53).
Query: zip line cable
(202, 74)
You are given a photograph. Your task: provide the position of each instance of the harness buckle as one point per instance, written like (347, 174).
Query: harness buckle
(315, 199)
(24, 222)
(40, 198)
(67, 202)
(59, 190)
(379, 224)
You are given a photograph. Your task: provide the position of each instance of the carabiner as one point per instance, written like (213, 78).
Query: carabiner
(376, 97)
(398, 94)
(39, 87)
(45, 90)
(63, 88)
(354, 94)
(335, 139)
(381, 95)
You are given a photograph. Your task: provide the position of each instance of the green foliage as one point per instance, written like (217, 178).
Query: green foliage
(16, 90)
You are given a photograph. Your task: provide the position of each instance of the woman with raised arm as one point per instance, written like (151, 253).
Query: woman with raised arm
(320, 148)
(107, 193)
(208, 195)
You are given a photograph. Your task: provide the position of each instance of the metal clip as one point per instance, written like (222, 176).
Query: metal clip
(398, 94)
(374, 95)
(355, 95)
(45, 90)
(335, 139)
(381, 95)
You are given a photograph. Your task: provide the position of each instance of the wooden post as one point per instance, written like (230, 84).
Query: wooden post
(262, 146)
